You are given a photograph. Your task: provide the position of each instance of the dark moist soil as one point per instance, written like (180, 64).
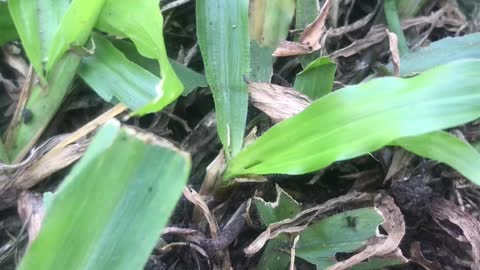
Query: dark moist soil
(414, 187)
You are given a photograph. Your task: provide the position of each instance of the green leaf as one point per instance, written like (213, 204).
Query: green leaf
(344, 232)
(316, 80)
(360, 119)
(7, 27)
(275, 256)
(111, 74)
(190, 79)
(438, 53)
(284, 207)
(222, 30)
(119, 195)
(37, 21)
(269, 24)
(446, 148)
(142, 22)
(74, 29)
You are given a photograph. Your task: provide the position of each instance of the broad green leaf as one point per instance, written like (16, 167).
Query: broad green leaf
(316, 80)
(438, 53)
(284, 207)
(360, 119)
(37, 21)
(116, 78)
(446, 148)
(111, 74)
(74, 29)
(190, 79)
(119, 196)
(7, 27)
(222, 30)
(269, 22)
(344, 232)
(306, 13)
(142, 22)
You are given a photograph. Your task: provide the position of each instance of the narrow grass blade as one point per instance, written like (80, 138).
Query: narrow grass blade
(142, 22)
(360, 119)
(74, 29)
(438, 53)
(223, 35)
(119, 196)
(393, 20)
(37, 22)
(112, 75)
(446, 148)
(7, 27)
(344, 232)
(316, 80)
(269, 24)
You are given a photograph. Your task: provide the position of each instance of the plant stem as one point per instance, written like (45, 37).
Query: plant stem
(42, 104)
(394, 25)
(3, 153)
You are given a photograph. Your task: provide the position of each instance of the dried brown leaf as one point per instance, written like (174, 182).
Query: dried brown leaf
(55, 154)
(313, 32)
(444, 16)
(393, 44)
(32, 211)
(354, 26)
(276, 101)
(290, 48)
(417, 256)
(375, 35)
(310, 38)
(443, 210)
(193, 197)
